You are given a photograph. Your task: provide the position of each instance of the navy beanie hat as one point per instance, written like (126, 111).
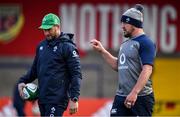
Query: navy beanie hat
(134, 16)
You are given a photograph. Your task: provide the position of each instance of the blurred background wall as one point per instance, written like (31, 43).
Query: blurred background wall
(88, 19)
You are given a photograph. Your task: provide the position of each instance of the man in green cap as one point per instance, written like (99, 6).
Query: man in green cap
(57, 68)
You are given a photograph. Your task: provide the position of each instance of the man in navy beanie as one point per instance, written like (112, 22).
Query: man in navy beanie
(134, 96)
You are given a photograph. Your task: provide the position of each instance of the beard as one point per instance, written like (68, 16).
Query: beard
(50, 37)
(127, 34)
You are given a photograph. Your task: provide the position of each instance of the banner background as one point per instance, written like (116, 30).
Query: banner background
(29, 36)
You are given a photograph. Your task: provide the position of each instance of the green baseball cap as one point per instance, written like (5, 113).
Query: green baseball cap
(49, 21)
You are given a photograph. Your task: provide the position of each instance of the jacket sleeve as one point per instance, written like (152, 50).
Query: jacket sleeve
(31, 75)
(74, 69)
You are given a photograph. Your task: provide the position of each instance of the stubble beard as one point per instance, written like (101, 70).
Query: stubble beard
(127, 34)
(50, 37)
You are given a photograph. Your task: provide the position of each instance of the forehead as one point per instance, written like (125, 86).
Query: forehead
(125, 24)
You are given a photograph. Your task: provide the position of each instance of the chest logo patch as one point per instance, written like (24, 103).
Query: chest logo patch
(55, 48)
(128, 19)
(132, 46)
(41, 48)
(75, 54)
(122, 58)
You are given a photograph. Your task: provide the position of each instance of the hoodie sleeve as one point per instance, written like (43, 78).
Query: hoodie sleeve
(74, 69)
(31, 75)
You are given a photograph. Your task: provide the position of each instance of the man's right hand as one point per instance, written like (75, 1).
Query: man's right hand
(97, 45)
(20, 88)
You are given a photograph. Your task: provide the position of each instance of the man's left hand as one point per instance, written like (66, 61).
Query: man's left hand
(130, 100)
(73, 107)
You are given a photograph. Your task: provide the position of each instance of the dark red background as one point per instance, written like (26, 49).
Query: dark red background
(25, 43)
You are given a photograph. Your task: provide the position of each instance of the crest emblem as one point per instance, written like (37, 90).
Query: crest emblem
(12, 21)
(127, 19)
(75, 54)
(41, 48)
(55, 48)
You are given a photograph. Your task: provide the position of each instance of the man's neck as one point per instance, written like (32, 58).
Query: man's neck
(137, 32)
